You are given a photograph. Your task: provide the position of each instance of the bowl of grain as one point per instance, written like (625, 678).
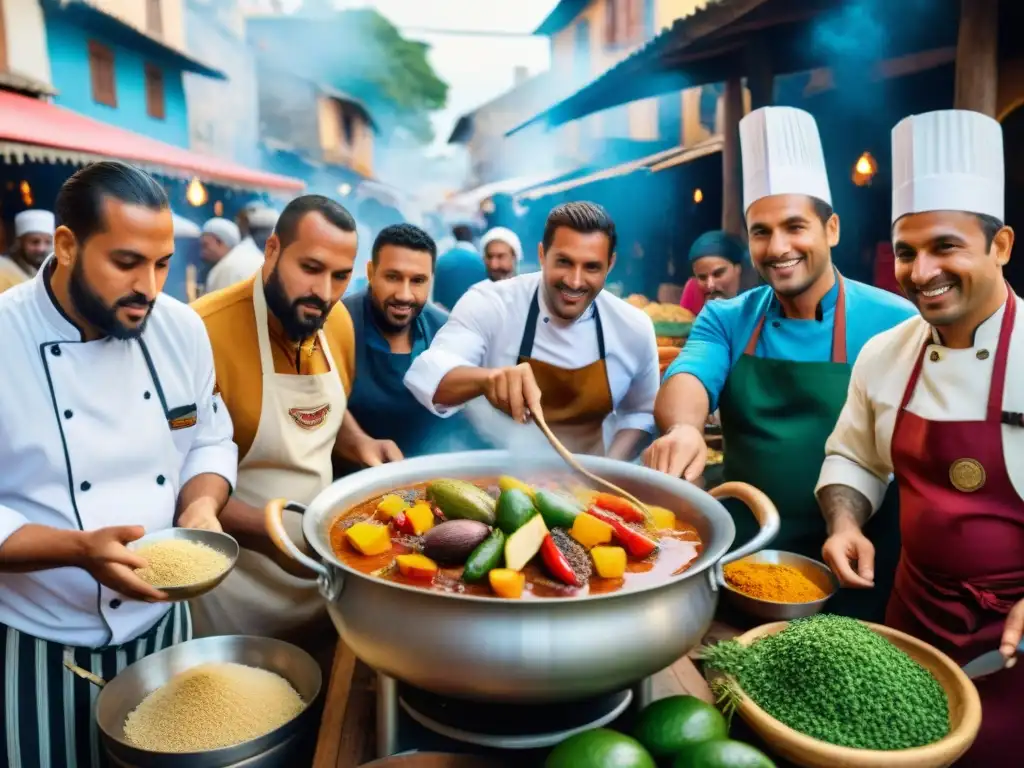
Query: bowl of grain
(185, 562)
(774, 585)
(210, 703)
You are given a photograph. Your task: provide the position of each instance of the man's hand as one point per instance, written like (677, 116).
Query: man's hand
(680, 452)
(373, 453)
(201, 514)
(513, 391)
(1013, 631)
(851, 556)
(112, 564)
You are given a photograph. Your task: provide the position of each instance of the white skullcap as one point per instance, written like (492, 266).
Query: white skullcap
(185, 228)
(34, 222)
(224, 230)
(502, 235)
(950, 160)
(782, 155)
(265, 218)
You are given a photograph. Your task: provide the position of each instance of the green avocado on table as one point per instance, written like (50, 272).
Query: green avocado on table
(600, 748)
(514, 510)
(557, 509)
(723, 753)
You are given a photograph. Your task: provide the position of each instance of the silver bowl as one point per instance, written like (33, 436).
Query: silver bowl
(125, 692)
(769, 610)
(221, 542)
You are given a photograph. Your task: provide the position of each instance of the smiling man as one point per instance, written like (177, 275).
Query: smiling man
(33, 242)
(552, 340)
(776, 360)
(938, 402)
(285, 360)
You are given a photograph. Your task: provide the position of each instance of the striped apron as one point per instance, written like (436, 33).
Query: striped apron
(48, 711)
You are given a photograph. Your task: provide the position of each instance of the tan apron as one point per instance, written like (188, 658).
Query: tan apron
(290, 457)
(575, 401)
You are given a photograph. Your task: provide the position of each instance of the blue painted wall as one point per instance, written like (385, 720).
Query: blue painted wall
(68, 47)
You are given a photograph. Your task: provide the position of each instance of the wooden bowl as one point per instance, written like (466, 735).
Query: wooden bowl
(964, 714)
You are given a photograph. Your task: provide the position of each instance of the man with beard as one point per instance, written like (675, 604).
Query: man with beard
(111, 430)
(502, 253)
(33, 242)
(554, 337)
(719, 263)
(775, 361)
(285, 362)
(938, 402)
(394, 324)
(246, 257)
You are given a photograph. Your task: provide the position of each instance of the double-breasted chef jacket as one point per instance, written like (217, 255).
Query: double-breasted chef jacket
(96, 434)
(486, 329)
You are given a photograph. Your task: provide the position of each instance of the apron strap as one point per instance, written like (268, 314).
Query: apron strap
(259, 303)
(530, 329)
(838, 328)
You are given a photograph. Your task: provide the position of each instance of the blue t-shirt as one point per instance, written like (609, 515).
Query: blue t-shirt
(722, 329)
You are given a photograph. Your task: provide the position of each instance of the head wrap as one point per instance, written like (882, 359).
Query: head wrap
(718, 243)
(34, 222)
(224, 230)
(502, 235)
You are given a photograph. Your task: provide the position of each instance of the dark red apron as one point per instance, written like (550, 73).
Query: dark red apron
(962, 565)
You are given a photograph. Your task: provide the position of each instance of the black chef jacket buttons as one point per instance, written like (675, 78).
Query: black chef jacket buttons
(68, 414)
(55, 350)
(983, 354)
(934, 356)
(85, 486)
(160, 479)
(146, 395)
(115, 603)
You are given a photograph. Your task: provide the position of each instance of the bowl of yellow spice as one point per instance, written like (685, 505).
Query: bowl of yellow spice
(185, 562)
(778, 586)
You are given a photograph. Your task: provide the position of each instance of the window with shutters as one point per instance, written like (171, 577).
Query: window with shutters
(101, 71)
(155, 106)
(624, 22)
(154, 18)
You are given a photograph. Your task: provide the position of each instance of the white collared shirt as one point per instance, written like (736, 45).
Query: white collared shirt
(240, 263)
(86, 442)
(485, 329)
(954, 387)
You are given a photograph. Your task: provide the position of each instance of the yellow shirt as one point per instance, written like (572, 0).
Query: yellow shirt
(231, 324)
(11, 274)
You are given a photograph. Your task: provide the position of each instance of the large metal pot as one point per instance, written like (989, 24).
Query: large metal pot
(274, 750)
(531, 650)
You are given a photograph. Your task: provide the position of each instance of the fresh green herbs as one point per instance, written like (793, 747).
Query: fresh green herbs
(835, 680)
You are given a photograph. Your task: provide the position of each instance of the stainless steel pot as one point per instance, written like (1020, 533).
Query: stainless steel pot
(556, 649)
(126, 691)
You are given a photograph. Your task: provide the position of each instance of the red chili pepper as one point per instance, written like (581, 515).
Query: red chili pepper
(557, 563)
(620, 507)
(402, 523)
(638, 545)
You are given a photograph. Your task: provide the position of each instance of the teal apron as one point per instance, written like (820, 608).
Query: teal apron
(776, 416)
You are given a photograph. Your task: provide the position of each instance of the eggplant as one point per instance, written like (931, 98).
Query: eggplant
(451, 542)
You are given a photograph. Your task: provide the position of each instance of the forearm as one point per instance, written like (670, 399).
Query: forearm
(208, 490)
(350, 434)
(460, 385)
(242, 520)
(682, 401)
(39, 548)
(843, 507)
(624, 444)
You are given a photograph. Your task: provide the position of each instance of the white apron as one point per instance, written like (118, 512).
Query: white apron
(290, 458)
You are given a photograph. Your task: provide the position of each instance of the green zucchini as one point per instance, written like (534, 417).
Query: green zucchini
(485, 558)
(514, 510)
(557, 509)
(459, 500)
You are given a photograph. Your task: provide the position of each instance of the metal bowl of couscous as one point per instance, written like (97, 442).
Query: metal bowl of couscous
(185, 563)
(820, 584)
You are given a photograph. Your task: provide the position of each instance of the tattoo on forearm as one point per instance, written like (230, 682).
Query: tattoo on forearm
(839, 501)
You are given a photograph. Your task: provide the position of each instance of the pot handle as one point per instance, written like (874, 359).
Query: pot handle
(765, 512)
(274, 518)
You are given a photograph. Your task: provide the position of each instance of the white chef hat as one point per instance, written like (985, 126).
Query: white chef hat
(265, 218)
(502, 235)
(224, 230)
(34, 222)
(950, 160)
(782, 155)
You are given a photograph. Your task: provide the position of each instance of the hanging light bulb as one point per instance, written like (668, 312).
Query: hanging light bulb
(698, 195)
(344, 189)
(864, 169)
(196, 192)
(26, 194)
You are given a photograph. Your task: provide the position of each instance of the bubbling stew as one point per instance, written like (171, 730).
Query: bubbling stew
(504, 538)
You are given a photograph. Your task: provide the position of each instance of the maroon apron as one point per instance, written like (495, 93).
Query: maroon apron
(962, 565)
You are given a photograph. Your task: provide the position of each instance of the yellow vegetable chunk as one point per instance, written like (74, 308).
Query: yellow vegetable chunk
(507, 583)
(525, 543)
(589, 531)
(664, 519)
(391, 505)
(369, 538)
(422, 518)
(507, 483)
(419, 567)
(610, 562)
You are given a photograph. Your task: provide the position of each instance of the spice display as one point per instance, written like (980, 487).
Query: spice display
(179, 563)
(210, 707)
(769, 581)
(834, 679)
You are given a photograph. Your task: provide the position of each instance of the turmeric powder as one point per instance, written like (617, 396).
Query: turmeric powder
(767, 581)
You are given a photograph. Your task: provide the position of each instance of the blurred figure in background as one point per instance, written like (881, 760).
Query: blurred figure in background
(463, 235)
(219, 236)
(719, 263)
(457, 271)
(502, 252)
(246, 258)
(33, 242)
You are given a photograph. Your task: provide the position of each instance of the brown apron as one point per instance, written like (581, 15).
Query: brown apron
(576, 401)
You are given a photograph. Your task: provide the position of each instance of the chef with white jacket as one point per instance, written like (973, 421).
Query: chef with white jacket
(938, 401)
(109, 429)
(246, 258)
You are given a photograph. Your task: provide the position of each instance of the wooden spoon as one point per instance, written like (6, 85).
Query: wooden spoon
(569, 459)
(69, 662)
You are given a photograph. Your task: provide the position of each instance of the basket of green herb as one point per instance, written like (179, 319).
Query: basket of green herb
(828, 691)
